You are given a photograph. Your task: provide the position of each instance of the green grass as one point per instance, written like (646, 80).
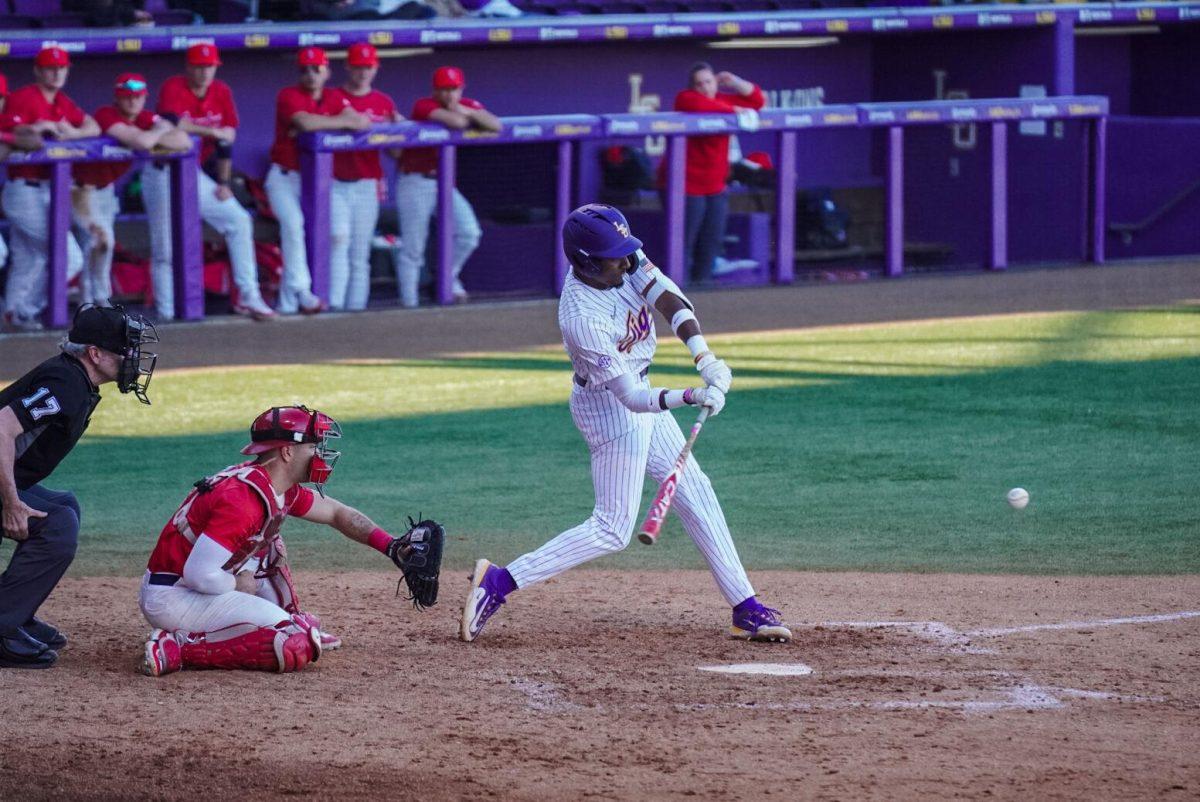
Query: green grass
(879, 448)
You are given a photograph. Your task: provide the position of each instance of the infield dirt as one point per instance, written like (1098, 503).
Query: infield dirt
(587, 687)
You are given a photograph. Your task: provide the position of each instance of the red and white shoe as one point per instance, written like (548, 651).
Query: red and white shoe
(329, 641)
(162, 654)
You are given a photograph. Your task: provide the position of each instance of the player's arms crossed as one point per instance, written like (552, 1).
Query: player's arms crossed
(163, 134)
(464, 117)
(203, 571)
(342, 517)
(87, 128)
(346, 120)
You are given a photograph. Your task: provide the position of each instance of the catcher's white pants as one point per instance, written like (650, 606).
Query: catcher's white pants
(283, 190)
(96, 279)
(416, 202)
(350, 255)
(28, 211)
(228, 217)
(625, 446)
(177, 607)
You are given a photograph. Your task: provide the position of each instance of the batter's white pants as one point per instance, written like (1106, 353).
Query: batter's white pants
(96, 279)
(228, 217)
(416, 202)
(625, 446)
(177, 607)
(350, 256)
(3, 251)
(28, 211)
(283, 190)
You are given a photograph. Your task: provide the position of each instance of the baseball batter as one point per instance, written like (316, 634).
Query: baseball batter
(358, 176)
(307, 106)
(202, 106)
(93, 199)
(218, 589)
(41, 107)
(608, 331)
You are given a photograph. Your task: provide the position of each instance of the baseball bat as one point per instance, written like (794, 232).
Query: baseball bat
(652, 524)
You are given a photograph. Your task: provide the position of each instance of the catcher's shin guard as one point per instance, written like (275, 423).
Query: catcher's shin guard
(287, 646)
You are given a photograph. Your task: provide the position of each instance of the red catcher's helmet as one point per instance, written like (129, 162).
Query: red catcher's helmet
(286, 426)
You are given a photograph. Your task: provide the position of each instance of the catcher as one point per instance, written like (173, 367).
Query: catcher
(218, 589)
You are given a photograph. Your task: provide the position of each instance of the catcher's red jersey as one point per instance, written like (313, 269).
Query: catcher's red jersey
(237, 508)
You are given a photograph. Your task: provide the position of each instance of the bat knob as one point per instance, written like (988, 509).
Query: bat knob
(646, 538)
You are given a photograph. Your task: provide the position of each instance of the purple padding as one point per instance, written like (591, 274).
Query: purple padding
(1150, 161)
(512, 259)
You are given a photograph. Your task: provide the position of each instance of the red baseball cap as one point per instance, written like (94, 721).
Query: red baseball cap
(203, 55)
(448, 78)
(312, 57)
(52, 57)
(362, 55)
(130, 84)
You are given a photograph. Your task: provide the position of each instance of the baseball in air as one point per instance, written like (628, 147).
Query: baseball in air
(1018, 497)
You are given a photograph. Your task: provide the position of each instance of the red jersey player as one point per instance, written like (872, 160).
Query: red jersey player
(217, 587)
(202, 105)
(93, 199)
(302, 107)
(359, 176)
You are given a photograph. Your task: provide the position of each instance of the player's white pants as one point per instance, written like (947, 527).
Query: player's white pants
(228, 217)
(3, 251)
(96, 279)
(625, 446)
(283, 190)
(177, 607)
(416, 202)
(27, 209)
(350, 256)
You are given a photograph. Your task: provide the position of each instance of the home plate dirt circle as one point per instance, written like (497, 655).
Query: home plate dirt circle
(770, 669)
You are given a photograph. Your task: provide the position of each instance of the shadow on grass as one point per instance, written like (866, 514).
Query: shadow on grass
(881, 473)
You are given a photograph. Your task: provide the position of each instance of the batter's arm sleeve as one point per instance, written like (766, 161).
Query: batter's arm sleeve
(647, 399)
(203, 573)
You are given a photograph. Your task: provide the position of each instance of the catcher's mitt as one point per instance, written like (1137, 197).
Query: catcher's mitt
(418, 553)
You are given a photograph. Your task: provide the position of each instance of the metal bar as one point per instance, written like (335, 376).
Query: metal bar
(998, 255)
(676, 205)
(1099, 135)
(186, 242)
(562, 208)
(57, 232)
(1064, 56)
(445, 222)
(785, 211)
(894, 240)
(316, 180)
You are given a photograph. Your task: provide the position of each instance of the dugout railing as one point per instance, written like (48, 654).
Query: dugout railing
(317, 151)
(185, 218)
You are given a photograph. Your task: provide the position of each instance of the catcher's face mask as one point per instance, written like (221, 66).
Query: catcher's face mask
(320, 468)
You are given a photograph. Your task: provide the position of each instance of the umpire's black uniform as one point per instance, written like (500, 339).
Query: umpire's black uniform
(53, 404)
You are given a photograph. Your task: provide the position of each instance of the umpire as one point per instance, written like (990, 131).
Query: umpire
(42, 415)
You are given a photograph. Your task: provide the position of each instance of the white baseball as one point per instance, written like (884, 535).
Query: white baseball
(1017, 498)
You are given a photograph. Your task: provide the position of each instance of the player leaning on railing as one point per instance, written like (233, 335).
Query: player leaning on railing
(608, 331)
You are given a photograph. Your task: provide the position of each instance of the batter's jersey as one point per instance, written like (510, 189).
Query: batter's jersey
(293, 100)
(214, 109)
(355, 165)
(28, 105)
(101, 174)
(607, 333)
(228, 509)
(54, 404)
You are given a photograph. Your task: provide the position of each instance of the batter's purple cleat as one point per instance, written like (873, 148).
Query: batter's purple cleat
(489, 585)
(754, 621)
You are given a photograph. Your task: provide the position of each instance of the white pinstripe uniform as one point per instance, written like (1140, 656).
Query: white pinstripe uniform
(609, 333)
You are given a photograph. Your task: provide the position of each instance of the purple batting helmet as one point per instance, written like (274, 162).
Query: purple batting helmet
(597, 231)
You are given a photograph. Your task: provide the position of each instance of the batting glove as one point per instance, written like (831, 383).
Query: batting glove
(715, 372)
(711, 397)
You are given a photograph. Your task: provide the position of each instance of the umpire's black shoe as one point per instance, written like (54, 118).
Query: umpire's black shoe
(19, 650)
(40, 630)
